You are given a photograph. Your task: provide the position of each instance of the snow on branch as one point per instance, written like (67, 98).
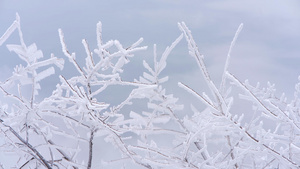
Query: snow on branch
(145, 125)
(222, 86)
(207, 102)
(10, 30)
(194, 52)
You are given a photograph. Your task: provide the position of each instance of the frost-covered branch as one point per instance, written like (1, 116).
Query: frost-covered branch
(38, 156)
(222, 86)
(146, 127)
(194, 52)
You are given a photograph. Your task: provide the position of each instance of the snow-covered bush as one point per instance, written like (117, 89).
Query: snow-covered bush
(72, 127)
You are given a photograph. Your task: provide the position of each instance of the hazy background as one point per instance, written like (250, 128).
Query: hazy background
(268, 48)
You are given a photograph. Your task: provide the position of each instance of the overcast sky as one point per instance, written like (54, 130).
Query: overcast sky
(268, 48)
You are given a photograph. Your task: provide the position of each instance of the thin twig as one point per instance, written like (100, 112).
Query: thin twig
(28, 145)
(91, 149)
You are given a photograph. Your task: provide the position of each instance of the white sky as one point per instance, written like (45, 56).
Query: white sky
(268, 48)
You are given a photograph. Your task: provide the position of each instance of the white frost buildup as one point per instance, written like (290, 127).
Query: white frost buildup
(143, 125)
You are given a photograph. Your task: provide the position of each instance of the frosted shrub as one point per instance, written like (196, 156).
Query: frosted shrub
(66, 129)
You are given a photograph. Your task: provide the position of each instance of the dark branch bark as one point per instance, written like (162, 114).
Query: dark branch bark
(26, 163)
(65, 156)
(91, 149)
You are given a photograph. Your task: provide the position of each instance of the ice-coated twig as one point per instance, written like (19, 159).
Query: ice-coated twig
(270, 150)
(65, 156)
(76, 111)
(269, 163)
(135, 44)
(39, 157)
(99, 39)
(89, 59)
(56, 113)
(222, 86)
(10, 30)
(194, 52)
(70, 56)
(202, 99)
(286, 117)
(165, 155)
(162, 63)
(241, 85)
(14, 97)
